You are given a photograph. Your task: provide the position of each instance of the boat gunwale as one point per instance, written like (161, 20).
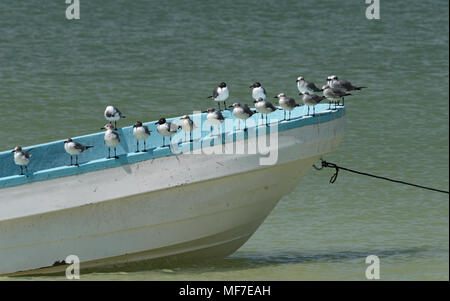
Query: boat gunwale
(159, 152)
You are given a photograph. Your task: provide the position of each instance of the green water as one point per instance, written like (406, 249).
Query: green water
(154, 59)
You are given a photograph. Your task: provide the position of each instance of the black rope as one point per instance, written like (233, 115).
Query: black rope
(337, 168)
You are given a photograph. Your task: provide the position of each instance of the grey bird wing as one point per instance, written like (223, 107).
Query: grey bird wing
(215, 93)
(264, 90)
(291, 102)
(26, 154)
(147, 131)
(116, 135)
(271, 106)
(312, 87)
(79, 146)
(247, 110)
(109, 114)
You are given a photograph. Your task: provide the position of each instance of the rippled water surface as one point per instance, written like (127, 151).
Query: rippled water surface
(154, 59)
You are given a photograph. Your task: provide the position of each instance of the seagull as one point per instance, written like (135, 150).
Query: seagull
(220, 93)
(166, 129)
(333, 94)
(74, 149)
(304, 86)
(258, 91)
(111, 139)
(242, 112)
(113, 114)
(21, 158)
(187, 125)
(264, 107)
(312, 100)
(140, 132)
(343, 85)
(287, 103)
(214, 118)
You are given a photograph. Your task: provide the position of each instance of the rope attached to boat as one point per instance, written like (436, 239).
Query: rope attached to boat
(337, 168)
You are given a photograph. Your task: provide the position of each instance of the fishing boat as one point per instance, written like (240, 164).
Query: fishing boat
(194, 200)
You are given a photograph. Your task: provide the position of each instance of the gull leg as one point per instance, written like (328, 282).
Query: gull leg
(21, 170)
(308, 111)
(115, 153)
(224, 105)
(145, 147)
(190, 136)
(109, 153)
(70, 160)
(284, 111)
(76, 160)
(137, 146)
(218, 104)
(26, 169)
(245, 125)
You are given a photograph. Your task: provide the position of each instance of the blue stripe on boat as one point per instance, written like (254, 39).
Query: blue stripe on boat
(50, 161)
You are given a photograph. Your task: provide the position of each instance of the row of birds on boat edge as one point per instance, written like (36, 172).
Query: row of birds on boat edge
(335, 90)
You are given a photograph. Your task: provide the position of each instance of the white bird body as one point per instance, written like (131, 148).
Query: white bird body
(74, 148)
(167, 129)
(141, 132)
(215, 118)
(258, 92)
(187, 125)
(287, 103)
(111, 138)
(113, 114)
(222, 94)
(242, 112)
(21, 158)
(304, 86)
(264, 107)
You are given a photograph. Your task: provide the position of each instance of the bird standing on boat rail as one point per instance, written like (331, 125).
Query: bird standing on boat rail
(258, 91)
(214, 118)
(287, 104)
(113, 114)
(312, 100)
(21, 158)
(220, 93)
(187, 125)
(305, 86)
(166, 128)
(264, 107)
(74, 149)
(344, 85)
(111, 139)
(334, 95)
(242, 112)
(140, 132)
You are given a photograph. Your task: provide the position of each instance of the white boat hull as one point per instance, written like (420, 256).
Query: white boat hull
(175, 207)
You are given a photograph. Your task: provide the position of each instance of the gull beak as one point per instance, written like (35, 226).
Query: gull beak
(13, 151)
(275, 97)
(297, 81)
(230, 106)
(251, 86)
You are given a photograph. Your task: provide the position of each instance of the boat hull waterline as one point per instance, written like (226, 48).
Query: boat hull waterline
(184, 206)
